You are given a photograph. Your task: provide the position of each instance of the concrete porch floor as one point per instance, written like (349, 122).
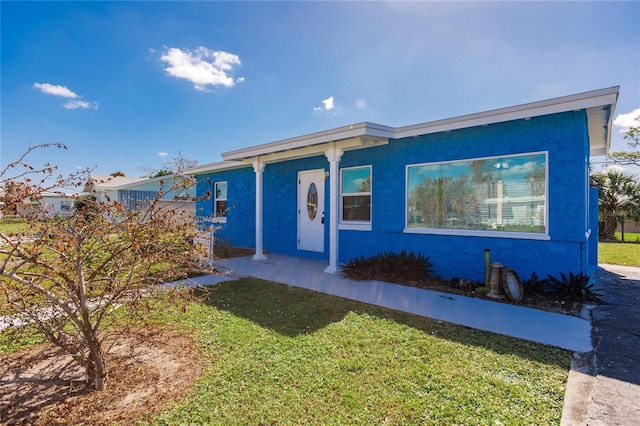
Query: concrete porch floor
(552, 329)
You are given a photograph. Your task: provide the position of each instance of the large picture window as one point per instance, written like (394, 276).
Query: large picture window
(355, 190)
(220, 200)
(495, 194)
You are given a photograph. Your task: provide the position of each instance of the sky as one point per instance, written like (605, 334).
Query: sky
(127, 86)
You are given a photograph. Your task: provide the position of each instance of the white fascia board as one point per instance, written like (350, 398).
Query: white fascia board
(214, 167)
(314, 143)
(579, 101)
(332, 135)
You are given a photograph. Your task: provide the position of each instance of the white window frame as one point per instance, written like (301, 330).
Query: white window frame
(216, 218)
(481, 233)
(356, 225)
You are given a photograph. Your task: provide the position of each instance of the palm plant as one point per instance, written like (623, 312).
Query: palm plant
(619, 198)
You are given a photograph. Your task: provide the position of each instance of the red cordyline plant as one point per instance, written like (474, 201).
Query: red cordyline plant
(71, 276)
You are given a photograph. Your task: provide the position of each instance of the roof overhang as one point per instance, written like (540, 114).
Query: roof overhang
(355, 136)
(598, 104)
(215, 167)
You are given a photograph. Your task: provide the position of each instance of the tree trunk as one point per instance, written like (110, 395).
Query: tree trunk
(609, 229)
(96, 367)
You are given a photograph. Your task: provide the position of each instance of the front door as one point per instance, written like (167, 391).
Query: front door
(311, 210)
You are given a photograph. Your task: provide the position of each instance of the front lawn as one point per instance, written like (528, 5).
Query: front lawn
(627, 254)
(13, 226)
(283, 355)
(277, 354)
(629, 237)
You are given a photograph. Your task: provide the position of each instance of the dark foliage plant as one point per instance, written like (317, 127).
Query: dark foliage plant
(535, 286)
(402, 268)
(574, 287)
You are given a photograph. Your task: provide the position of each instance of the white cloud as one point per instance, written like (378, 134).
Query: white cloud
(163, 154)
(361, 103)
(202, 67)
(328, 104)
(50, 89)
(75, 104)
(625, 121)
(63, 91)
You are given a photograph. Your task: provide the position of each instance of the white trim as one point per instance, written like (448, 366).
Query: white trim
(484, 233)
(258, 168)
(353, 132)
(215, 167)
(219, 219)
(355, 226)
(359, 225)
(472, 233)
(333, 155)
(599, 104)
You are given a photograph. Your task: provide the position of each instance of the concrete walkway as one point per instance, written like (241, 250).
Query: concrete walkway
(562, 331)
(604, 385)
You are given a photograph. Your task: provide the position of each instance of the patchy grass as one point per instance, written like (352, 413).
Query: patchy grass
(14, 226)
(284, 355)
(627, 254)
(629, 237)
(279, 354)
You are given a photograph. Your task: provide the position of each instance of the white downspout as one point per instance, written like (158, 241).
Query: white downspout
(258, 168)
(333, 154)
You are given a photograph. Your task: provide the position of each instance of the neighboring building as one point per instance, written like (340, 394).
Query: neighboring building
(513, 180)
(49, 203)
(136, 193)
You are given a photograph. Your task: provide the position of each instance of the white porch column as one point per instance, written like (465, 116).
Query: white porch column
(258, 168)
(333, 155)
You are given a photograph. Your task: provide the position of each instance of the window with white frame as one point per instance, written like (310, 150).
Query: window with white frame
(220, 200)
(494, 194)
(355, 191)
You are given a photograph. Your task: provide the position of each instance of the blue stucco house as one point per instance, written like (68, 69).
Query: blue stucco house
(513, 180)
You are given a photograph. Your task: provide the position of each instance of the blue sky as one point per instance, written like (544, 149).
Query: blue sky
(127, 85)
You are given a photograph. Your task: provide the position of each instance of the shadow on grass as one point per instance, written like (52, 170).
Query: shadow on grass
(292, 311)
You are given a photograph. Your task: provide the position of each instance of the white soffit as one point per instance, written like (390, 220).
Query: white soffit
(368, 131)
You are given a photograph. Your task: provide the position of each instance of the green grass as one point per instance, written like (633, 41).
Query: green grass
(13, 226)
(277, 354)
(633, 237)
(627, 254)
(283, 355)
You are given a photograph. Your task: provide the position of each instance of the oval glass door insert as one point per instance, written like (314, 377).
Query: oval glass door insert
(312, 201)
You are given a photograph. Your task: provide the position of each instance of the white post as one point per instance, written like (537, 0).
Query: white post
(333, 154)
(258, 168)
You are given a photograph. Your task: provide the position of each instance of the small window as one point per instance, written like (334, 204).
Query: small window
(220, 200)
(355, 189)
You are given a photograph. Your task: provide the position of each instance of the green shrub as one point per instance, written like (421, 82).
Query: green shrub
(573, 287)
(409, 269)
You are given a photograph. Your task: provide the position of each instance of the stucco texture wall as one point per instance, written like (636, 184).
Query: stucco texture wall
(564, 136)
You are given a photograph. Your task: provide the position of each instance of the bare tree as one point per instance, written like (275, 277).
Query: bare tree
(70, 280)
(633, 141)
(171, 167)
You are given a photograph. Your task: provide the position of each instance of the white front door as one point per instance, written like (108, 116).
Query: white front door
(311, 210)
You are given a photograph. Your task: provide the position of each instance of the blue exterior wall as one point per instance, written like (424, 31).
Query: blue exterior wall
(593, 224)
(239, 230)
(564, 136)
